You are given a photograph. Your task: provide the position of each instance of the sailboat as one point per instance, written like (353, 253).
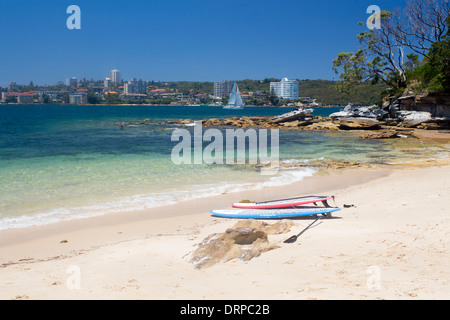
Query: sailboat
(235, 101)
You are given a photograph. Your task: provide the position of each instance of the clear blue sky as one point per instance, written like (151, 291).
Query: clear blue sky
(172, 40)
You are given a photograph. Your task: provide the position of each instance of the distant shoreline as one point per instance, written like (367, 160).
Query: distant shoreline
(151, 105)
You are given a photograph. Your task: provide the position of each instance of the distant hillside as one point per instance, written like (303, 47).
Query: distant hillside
(326, 92)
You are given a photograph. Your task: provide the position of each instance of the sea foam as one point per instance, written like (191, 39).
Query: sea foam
(153, 200)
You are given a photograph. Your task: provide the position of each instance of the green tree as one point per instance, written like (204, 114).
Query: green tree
(393, 53)
(11, 99)
(440, 61)
(46, 99)
(92, 98)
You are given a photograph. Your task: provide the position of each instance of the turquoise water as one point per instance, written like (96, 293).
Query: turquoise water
(66, 162)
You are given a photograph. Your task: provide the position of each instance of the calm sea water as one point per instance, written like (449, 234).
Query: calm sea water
(66, 162)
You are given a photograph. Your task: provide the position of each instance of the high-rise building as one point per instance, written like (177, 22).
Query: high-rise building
(107, 83)
(116, 76)
(223, 89)
(285, 89)
(134, 87)
(71, 82)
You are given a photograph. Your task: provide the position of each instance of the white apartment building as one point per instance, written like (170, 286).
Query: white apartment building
(223, 89)
(285, 89)
(71, 82)
(107, 83)
(134, 87)
(116, 76)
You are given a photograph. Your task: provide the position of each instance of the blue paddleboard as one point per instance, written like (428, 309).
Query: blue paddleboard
(272, 213)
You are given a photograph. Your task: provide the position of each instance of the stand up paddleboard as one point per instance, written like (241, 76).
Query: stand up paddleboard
(284, 203)
(272, 213)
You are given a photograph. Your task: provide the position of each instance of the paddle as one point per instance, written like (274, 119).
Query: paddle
(294, 238)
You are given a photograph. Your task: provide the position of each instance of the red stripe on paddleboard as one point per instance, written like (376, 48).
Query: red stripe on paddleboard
(278, 206)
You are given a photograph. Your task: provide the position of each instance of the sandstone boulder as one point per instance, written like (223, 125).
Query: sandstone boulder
(358, 123)
(246, 240)
(381, 135)
(411, 119)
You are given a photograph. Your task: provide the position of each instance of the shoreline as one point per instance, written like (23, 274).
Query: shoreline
(319, 183)
(134, 256)
(149, 105)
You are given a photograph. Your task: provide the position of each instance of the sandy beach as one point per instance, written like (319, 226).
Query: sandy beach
(392, 243)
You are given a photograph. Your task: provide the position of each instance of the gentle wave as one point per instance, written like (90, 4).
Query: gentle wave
(141, 202)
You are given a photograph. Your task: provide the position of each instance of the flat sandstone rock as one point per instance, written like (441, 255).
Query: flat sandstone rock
(246, 240)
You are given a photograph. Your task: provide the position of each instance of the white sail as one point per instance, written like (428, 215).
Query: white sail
(235, 101)
(232, 100)
(238, 98)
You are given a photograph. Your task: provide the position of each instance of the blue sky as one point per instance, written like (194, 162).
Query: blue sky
(194, 40)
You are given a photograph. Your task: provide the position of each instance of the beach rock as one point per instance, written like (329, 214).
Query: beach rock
(212, 123)
(258, 247)
(436, 125)
(340, 114)
(411, 119)
(358, 123)
(391, 122)
(381, 135)
(437, 104)
(326, 126)
(213, 249)
(295, 124)
(244, 236)
(341, 164)
(246, 240)
(279, 227)
(429, 126)
(297, 114)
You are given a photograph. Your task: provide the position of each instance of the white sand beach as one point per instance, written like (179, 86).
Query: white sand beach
(392, 244)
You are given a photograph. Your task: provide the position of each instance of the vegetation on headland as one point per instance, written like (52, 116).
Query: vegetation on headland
(409, 53)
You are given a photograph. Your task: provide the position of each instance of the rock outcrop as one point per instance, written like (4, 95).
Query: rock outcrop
(358, 123)
(422, 111)
(437, 105)
(430, 113)
(411, 119)
(246, 240)
(381, 135)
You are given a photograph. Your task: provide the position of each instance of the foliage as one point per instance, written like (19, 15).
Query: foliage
(410, 51)
(328, 93)
(92, 98)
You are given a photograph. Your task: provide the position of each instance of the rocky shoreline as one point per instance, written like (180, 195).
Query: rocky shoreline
(391, 120)
(376, 123)
(377, 129)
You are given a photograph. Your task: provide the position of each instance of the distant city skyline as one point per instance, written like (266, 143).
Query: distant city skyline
(180, 40)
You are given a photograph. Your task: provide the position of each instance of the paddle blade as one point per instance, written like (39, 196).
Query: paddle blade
(291, 239)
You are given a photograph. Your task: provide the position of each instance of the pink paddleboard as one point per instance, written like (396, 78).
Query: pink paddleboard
(285, 203)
